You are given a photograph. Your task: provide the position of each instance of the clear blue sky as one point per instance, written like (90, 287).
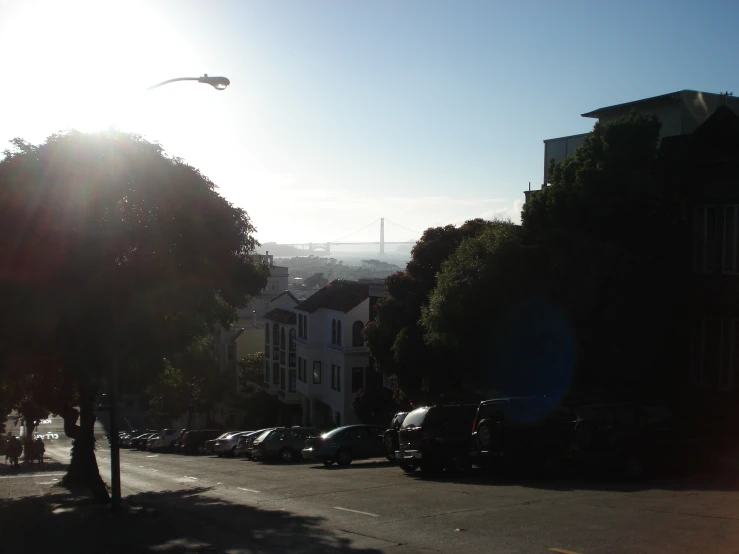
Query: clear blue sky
(425, 112)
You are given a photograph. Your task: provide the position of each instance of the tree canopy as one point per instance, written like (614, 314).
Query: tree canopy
(113, 252)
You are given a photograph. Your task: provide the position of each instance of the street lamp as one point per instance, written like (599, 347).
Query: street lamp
(218, 83)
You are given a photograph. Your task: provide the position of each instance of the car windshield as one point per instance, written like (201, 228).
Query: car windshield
(415, 418)
(333, 433)
(401, 418)
(264, 435)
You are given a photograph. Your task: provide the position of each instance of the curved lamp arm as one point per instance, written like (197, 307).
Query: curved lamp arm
(218, 83)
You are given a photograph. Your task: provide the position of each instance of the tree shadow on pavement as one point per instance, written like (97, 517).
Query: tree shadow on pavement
(170, 522)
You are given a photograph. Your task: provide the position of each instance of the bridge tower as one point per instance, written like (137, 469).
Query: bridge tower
(382, 235)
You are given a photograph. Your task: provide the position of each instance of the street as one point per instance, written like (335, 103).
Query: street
(373, 505)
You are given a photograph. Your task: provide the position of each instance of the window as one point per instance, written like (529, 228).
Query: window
(266, 351)
(317, 373)
(728, 359)
(275, 373)
(282, 338)
(266, 371)
(333, 331)
(282, 357)
(292, 381)
(300, 368)
(338, 419)
(338, 378)
(305, 327)
(731, 225)
(276, 334)
(266, 333)
(274, 286)
(389, 382)
(338, 332)
(291, 359)
(282, 378)
(300, 325)
(305, 370)
(706, 238)
(333, 376)
(231, 352)
(357, 338)
(275, 353)
(292, 340)
(357, 378)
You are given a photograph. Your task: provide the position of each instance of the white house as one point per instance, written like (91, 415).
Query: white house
(331, 361)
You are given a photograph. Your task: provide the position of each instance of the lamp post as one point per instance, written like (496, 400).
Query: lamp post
(218, 83)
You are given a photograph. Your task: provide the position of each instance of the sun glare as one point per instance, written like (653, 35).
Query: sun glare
(83, 65)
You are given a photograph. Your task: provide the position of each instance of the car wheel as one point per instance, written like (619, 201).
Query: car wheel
(287, 455)
(485, 435)
(343, 458)
(389, 448)
(328, 463)
(408, 468)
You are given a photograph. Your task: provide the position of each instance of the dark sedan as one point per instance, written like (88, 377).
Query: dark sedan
(344, 444)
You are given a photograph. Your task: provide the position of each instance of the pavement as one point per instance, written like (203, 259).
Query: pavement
(177, 503)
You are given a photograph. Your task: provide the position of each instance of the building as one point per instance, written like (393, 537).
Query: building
(315, 353)
(277, 283)
(680, 113)
(701, 170)
(280, 333)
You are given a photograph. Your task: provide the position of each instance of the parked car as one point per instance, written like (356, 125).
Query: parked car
(283, 443)
(344, 444)
(243, 445)
(169, 437)
(193, 442)
(634, 439)
(532, 432)
(152, 442)
(226, 446)
(139, 443)
(391, 435)
(210, 445)
(435, 438)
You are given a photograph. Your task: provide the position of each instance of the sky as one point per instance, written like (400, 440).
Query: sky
(424, 112)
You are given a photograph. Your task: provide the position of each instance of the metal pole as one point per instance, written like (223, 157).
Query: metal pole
(115, 458)
(382, 235)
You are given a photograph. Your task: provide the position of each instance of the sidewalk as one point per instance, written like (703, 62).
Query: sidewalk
(37, 515)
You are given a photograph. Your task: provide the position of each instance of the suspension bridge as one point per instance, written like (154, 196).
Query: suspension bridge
(325, 247)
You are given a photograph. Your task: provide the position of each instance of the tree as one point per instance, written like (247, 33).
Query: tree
(112, 253)
(395, 338)
(251, 370)
(616, 244)
(490, 306)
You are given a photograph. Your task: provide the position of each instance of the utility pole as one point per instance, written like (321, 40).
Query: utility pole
(382, 235)
(115, 454)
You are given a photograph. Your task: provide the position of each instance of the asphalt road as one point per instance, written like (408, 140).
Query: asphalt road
(374, 507)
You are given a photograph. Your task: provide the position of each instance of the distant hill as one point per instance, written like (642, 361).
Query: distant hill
(281, 250)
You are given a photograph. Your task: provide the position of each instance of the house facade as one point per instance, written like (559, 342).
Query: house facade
(326, 360)
(701, 170)
(280, 349)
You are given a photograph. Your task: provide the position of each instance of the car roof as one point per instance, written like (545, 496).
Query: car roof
(506, 398)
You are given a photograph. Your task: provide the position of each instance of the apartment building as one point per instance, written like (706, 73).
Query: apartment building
(322, 360)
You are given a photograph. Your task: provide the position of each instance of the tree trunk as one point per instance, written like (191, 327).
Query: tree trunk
(83, 468)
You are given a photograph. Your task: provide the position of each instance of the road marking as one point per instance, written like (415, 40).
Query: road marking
(247, 490)
(562, 551)
(193, 478)
(153, 456)
(47, 483)
(356, 511)
(30, 475)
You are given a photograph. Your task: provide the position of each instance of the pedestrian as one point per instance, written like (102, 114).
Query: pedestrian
(14, 450)
(40, 449)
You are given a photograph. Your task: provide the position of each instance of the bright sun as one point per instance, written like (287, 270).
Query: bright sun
(81, 64)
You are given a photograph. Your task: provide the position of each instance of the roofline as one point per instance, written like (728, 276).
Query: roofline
(290, 294)
(566, 137)
(669, 96)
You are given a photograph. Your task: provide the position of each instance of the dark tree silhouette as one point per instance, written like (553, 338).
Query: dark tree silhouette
(112, 252)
